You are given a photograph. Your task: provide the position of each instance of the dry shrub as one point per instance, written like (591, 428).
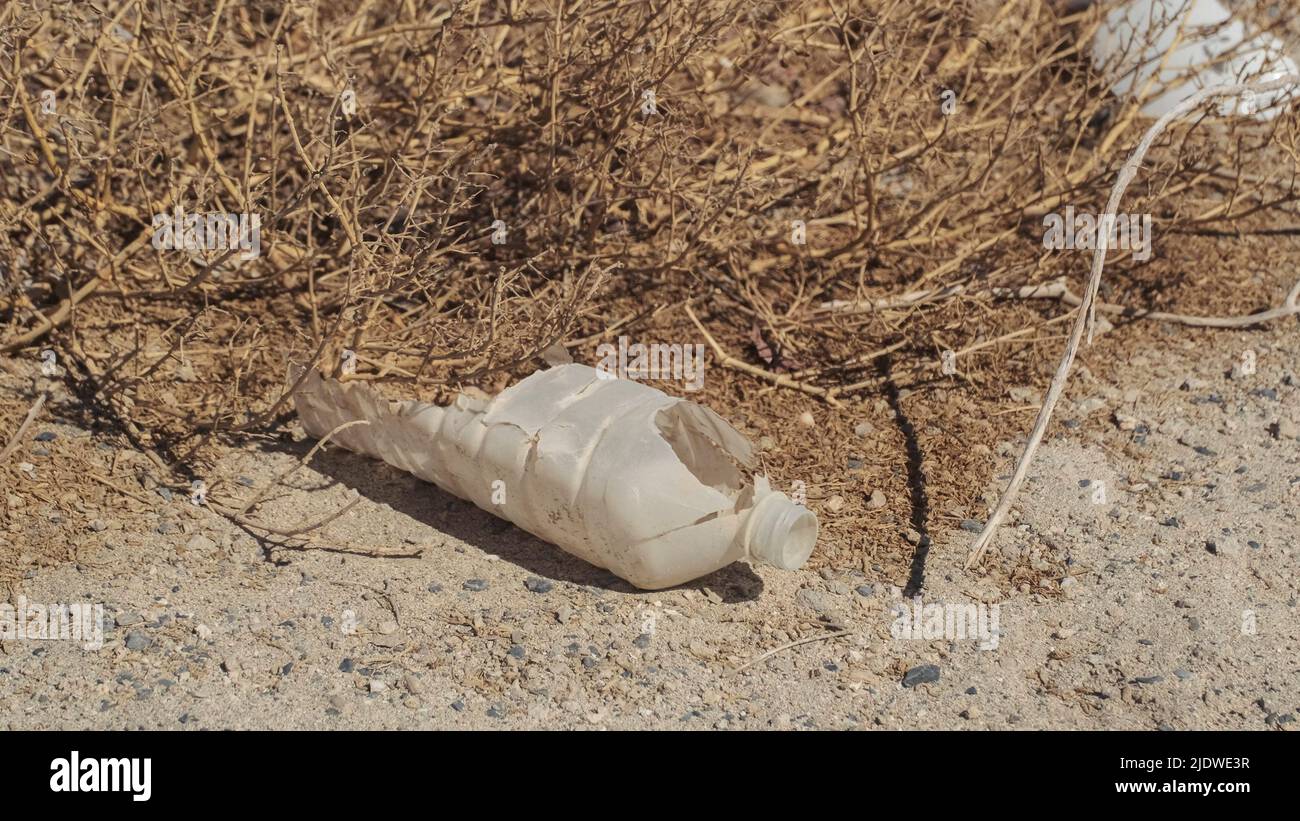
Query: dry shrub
(378, 225)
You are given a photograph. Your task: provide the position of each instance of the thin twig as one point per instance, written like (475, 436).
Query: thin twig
(289, 532)
(109, 484)
(788, 645)
(1059, 290)
(730, 361)
(304, 460)
(31, 416)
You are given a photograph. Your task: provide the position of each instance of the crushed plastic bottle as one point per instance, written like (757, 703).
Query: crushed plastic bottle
(1206, 46)
(620, 474)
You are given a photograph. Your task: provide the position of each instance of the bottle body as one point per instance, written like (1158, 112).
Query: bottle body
(612, 471)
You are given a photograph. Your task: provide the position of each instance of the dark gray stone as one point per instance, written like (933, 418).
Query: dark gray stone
(535, 585)
(922, 674)
(137, 640)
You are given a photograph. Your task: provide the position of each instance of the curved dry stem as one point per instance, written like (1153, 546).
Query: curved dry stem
(1087, 314)
(249, 505)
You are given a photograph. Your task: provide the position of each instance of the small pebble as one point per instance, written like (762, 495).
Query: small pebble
(922, 674)
(137, 640)
(536, 585)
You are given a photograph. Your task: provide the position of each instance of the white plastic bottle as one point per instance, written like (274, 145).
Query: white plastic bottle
(650, 486)
(1179, 47)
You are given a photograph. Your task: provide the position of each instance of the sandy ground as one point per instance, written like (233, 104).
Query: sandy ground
(1160, 521)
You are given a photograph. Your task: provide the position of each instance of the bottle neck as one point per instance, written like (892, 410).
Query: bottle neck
(779, 532)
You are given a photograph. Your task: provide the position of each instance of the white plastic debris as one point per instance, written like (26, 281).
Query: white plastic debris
(1209, 48)
(650, 486)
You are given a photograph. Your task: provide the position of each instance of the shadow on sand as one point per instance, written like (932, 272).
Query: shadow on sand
(429, 505)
